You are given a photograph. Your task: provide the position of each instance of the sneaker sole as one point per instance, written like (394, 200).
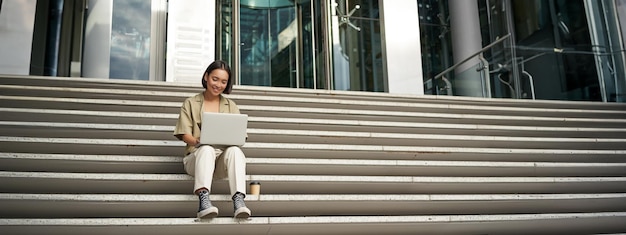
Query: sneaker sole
(208, 213)
(242, 213)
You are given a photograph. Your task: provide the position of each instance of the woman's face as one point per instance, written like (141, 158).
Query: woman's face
(216, 81)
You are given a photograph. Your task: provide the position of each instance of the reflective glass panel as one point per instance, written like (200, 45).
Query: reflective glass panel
(615, 30)
(224, 30)
(280, 40)
(130, 40)
(357, 48)
(557, 50)
(269, 37)
(435, 44)
(554, 44)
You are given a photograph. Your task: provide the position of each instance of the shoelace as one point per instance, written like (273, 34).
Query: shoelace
(205, 203)
(238, 200)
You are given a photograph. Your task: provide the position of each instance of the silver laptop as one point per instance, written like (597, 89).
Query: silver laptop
(223, 129)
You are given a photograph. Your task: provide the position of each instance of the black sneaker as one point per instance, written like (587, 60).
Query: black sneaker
(241, 211)
(206, 210)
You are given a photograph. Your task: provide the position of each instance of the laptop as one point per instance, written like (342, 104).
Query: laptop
(223, 129)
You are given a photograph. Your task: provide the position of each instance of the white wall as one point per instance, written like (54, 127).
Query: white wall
(401, 46)
(97, 44)
(17, 22)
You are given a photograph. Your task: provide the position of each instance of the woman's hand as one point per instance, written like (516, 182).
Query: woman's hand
(190, 140)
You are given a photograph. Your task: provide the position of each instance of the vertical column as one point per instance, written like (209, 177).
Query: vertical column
(620, 44)
(401, 46)
(158, 29)
(466, 40)
(97, 47)
(326, 38)
(53, 39)
(17, 22)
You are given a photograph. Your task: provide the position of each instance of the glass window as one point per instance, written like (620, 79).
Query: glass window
(615, 30)
(130, 39)
(558, 49)
(265, 54)
(357, 52)
(224, 29)
(553, 40)
(280, 44)
(494, 26)
(435, 43)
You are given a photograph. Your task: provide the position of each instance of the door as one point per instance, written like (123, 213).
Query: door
(280, 43)
(553, 45)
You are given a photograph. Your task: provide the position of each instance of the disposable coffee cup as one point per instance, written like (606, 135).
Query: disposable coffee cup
(255, 188)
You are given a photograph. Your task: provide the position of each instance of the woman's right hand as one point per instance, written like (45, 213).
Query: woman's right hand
(190, 140)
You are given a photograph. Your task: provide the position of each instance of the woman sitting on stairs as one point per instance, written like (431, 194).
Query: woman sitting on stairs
(202, 161)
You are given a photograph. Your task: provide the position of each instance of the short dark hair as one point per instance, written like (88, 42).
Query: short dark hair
(219, 64)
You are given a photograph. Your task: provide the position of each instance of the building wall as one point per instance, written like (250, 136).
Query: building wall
(17, 21)
(503, 49)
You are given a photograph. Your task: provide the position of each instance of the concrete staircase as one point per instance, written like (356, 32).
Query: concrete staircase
(86, 156)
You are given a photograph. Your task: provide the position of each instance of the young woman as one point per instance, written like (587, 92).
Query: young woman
(204, 161)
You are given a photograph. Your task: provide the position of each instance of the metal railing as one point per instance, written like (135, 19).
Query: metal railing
(485, 65)
(472, 56)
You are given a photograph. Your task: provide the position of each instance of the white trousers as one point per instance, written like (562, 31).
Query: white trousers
(207, 162)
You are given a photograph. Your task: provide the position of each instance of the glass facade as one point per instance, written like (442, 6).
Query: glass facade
(283, 43)
(358, 54)
(436, 45)
(130, 40)
(556, 34)
(554, 49)
(519, 49)
(269, 45)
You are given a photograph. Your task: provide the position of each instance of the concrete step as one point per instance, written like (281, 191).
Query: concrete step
(303, 150)
(90, 83)
(97, 156)
(139, 118)
(57, 182)
(280, 205)
(432, 117)
(553, 223)
(299, 166)
(164, 132)
(548, 117)
(113, 102)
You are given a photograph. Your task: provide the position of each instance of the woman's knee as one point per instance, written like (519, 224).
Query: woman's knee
(234, 148)
(205, 149)
(235, 151)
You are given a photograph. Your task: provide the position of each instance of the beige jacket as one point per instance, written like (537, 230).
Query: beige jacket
(190, 117)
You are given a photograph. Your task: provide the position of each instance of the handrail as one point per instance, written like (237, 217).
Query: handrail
(532, 83)
(472, 56)
(484, 76)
